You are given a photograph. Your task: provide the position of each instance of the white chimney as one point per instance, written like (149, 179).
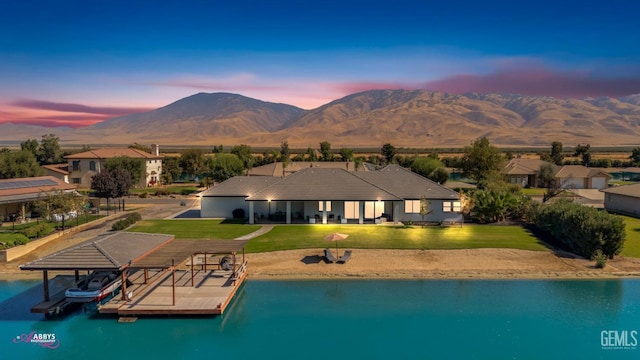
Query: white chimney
(155, 149)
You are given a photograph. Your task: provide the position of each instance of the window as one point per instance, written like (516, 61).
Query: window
(412, 206)
(373, 209)
(351, 210)
(75, 180)
(92, 165)
(75, 165)
(451, 206)
(321, 207)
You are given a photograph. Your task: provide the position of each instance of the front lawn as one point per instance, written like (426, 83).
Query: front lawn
(632, 242)
(194, 229)
(390, 237)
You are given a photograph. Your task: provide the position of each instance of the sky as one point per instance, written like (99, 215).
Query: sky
(77, 63)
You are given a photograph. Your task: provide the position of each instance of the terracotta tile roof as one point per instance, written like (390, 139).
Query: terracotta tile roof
(59, 168)
(108, 153)
(579, 171)
(525, 166)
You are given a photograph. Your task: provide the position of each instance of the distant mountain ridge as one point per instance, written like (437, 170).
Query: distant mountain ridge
(409, 118)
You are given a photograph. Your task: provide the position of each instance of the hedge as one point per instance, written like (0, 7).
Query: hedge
(583, 229)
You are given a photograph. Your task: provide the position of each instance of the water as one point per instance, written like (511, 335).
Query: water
(357, 319)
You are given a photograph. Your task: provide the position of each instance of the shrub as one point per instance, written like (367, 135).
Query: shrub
(238, 213)
(582, 229)
(143, 195)
(186, 192)
(600, 259)
(134, 217)
(121, 224)
(129, 220)
(160, 192)
(11, 240)
(37, 231)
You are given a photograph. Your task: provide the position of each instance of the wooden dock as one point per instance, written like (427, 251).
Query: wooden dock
(211, 293)
(57, 302)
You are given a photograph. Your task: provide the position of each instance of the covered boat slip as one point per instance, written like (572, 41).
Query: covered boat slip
(165, 276)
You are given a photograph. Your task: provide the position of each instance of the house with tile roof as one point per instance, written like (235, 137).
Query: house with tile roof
(524, 172)
(82, 166)
(60, 171)
(623, 200)
(325, 195)
(581, 177)
(16, 194)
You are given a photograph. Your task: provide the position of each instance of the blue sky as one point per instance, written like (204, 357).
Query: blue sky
(75, 63)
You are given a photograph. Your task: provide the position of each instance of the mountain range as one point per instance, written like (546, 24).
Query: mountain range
(404, 118)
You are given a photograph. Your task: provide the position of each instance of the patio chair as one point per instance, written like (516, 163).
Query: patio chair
(345, 257)
(329, 256)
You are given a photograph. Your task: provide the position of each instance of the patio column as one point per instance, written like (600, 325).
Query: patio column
(251, 219)
(361, 217)
(396, 211)
(324, 211)
(288, 212)
(23, 213)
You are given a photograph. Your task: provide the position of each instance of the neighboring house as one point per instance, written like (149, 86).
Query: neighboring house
(320, 195)
(60, 171)
(84, 165)
(279, 169)
(623, 200)
(524, 172)
(582, 177)
(220, 200)
(16, 194)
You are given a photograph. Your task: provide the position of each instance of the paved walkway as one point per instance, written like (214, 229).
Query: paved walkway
(263, 230)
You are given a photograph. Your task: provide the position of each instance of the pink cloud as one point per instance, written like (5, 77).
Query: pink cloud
(539, 82)
(77, 108)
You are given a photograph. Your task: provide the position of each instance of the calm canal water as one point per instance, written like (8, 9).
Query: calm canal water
(357, 319)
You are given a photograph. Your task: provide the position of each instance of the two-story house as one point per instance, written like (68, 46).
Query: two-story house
(84, 165)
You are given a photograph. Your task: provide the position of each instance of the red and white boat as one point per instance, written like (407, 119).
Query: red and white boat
(95, 287)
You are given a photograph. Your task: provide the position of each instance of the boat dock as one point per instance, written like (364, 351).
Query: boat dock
(160, 275)
(211, 293)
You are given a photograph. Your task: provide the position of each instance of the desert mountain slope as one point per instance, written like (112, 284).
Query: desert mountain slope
(408, 118)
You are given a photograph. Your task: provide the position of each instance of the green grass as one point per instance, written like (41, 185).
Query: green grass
(195, 229)
(533, 191)
(173, 189)
(632, 242)
(389, 237)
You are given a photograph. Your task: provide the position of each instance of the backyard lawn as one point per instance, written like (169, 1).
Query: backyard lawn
(194, 229)
(364, 237)
(632, 242)
(391, 237)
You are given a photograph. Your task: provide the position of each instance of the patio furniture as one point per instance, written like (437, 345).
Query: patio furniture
(329, 256)
(345, 257)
